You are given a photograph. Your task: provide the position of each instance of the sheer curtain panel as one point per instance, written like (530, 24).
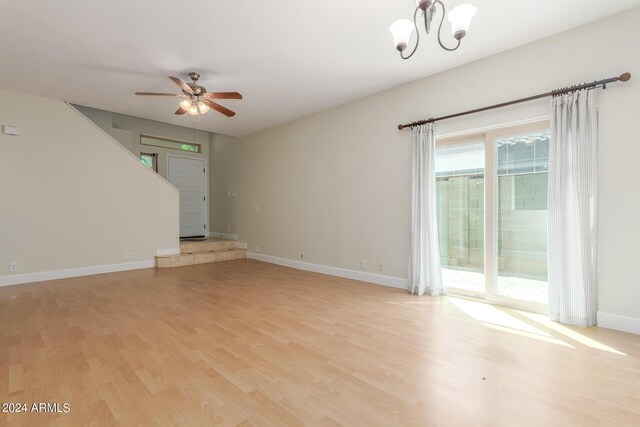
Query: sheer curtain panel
(573, 209)
(424, 265)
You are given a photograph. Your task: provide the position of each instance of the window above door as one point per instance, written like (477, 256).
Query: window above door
(155, 141)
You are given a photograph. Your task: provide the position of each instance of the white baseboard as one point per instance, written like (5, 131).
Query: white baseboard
(223, 235)
(378, 279)
(168, 251)
(618, 322)
(74, 272)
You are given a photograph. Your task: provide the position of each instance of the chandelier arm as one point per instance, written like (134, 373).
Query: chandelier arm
(425, 15)
(444, 12)
(415, 23)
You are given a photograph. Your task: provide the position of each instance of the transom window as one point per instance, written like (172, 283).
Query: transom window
(172, 144)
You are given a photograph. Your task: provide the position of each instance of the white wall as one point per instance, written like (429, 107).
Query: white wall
(336, 185)
(71, 197)
(222, 204)
(127, 130)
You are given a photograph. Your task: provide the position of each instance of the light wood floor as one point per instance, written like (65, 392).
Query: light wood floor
(248, 343)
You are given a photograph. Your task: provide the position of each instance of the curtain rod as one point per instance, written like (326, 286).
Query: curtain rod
(604, 82)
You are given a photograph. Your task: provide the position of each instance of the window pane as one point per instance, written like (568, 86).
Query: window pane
(165, 143)
(460, 159)
(147, 160)
(522, 217)
(150, 160)
(523, 153)
(460, 213)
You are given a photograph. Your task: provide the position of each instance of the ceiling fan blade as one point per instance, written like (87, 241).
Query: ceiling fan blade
(219, 108)
(223, 95)
(185, 87)
(158, 94)
(180, 111)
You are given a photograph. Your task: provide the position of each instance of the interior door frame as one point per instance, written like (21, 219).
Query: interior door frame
(206, 185)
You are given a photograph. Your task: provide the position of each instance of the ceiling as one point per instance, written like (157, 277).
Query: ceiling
(289, 58)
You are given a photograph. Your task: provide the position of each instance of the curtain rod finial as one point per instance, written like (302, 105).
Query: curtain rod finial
(400, 127)
(624, 77)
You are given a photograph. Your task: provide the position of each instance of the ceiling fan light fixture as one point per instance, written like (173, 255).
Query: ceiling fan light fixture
(195, 98)
(193, 110)
(401, 31)
(460, 18)
(203, 107)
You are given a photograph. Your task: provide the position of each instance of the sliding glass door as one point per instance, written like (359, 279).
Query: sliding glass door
(523, 164)
(492, 215)
(460, 212)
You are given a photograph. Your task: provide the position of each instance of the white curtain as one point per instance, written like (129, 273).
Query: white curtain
(424, 264)
(573, 209)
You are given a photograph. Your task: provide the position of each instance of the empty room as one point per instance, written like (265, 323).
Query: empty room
(339, 213)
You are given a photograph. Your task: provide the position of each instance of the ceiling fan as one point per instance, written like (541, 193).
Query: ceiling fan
(196, 99)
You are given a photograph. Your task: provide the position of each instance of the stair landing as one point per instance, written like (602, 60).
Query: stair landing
(213, 249)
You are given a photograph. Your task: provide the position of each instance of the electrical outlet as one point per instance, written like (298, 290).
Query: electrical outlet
(228, 228)
(363, 264)
(229, 194)
(128, 255)
(256, 208)
(257, 248)
(13, 267)
(380, 266)
(234, 194)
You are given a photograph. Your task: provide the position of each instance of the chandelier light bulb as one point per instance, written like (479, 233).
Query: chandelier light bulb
(185, 104)
(460, 18)
(193, 110)
(401, 31)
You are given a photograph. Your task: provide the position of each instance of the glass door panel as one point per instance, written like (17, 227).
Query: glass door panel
(460, 212)
(522, 165)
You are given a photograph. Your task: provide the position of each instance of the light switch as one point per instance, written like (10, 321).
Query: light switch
(11, 130)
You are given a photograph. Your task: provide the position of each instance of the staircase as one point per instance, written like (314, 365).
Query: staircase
(211, 250)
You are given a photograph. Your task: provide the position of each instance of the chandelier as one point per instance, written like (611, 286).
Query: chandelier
(459, 17)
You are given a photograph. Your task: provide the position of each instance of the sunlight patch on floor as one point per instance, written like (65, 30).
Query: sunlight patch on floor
(488, 313)
(570, 333)
(528, 334)
(499, 318)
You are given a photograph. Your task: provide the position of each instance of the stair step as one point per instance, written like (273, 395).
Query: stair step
(211, 244)
(200, 257)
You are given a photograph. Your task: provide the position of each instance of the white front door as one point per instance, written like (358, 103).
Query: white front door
(189, 177)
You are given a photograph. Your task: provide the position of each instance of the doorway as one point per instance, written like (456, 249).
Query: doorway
(189, 176)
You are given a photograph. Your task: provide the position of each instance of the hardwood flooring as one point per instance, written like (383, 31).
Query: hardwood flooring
(253, 344)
